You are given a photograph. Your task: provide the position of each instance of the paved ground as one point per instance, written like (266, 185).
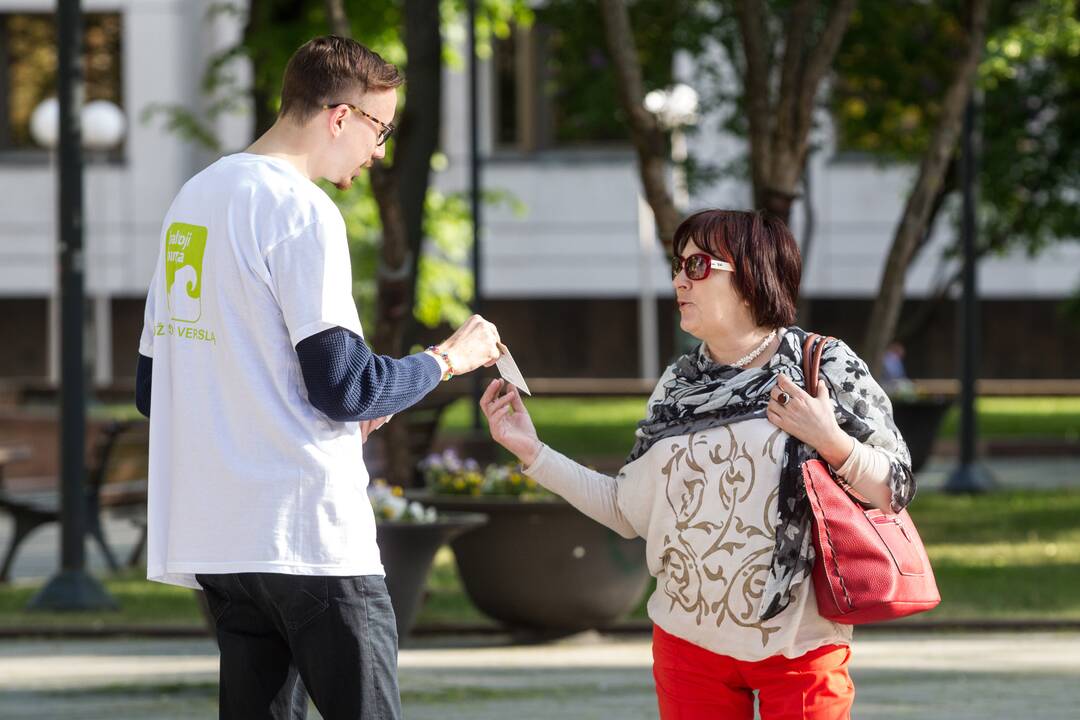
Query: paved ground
(1035, 676)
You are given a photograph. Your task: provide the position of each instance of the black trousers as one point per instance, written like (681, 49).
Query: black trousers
(336, 637)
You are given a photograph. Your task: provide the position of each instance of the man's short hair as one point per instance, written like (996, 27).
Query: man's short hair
(330, 69)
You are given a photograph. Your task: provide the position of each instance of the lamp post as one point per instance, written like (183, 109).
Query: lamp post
(969, 476)
(675, 108)
(72, 588)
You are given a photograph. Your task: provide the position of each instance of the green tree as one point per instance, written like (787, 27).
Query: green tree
(390, 212)
(1029, 83)
(780, 53)
(401, 186)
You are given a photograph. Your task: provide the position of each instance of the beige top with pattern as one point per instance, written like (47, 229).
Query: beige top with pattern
(706, 504)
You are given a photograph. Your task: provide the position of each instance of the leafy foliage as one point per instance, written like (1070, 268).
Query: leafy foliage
(579, 81)
(890, 71)
(275, 29)
(445, 285)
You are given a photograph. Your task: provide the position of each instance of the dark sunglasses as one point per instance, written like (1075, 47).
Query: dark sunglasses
(698, 266)
(385, 129)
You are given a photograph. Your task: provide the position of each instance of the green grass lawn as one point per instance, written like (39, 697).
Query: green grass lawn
(603, 427)
(1003, 555)
(143, 604)
(1006, 555)
(1022, 417)
(580, 428)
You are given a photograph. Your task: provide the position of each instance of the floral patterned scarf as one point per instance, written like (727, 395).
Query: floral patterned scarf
(696, 393)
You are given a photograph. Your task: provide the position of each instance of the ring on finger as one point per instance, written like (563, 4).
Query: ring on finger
(783, 398)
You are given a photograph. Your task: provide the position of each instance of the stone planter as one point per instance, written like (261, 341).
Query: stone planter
(544, 566)
(919, 420)
(408, 549)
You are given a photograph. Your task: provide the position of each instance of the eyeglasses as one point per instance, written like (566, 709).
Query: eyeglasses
(698, 266)
(385, 129)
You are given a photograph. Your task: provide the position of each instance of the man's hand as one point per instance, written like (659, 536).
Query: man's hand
(369, 426)
(473, 344)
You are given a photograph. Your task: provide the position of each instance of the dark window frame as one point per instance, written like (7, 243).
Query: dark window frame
(535, 113)
(32, 154)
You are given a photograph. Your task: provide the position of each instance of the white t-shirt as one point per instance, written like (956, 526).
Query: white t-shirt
(245, 474)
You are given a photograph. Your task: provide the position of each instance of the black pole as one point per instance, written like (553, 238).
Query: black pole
(969, 476)
(474, 188)
(72, 588)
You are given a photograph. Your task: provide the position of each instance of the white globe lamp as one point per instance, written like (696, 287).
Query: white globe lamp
(103, 125)
(45, 123)
(682, 105)
(655, 101)
(675, 107)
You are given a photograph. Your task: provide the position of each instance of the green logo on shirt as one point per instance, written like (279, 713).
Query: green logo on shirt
(185, 246)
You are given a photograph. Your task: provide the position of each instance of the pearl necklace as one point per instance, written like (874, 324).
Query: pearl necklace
(749, 358)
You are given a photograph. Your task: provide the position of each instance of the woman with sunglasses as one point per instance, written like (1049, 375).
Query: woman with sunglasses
(713, 482)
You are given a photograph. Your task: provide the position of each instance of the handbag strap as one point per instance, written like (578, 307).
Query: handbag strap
(813, 347)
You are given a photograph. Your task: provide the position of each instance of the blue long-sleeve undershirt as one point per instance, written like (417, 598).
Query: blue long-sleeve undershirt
(344, 379)
(144, 371)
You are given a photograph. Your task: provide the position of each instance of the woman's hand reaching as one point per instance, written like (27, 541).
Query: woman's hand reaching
(509, 422)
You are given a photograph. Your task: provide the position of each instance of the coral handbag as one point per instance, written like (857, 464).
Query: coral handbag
(871, 565)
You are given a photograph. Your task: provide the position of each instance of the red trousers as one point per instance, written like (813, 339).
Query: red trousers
(693, 683)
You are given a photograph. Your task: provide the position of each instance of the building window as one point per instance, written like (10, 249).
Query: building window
(28, 61)
(546, 98)
(554, 87)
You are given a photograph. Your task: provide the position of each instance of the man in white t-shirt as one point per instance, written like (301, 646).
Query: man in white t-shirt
(262, 389)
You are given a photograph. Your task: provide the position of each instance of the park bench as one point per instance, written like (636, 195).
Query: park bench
(115, 481)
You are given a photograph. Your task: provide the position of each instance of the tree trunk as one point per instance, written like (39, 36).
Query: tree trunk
(421, 124)
(391, 276)
(780, 131)
(337, 18)
(805, 305)
(778, 134)
(392, 311)
(264, 15)
(648, 138)
(756, 93)
(913, 222)
(400, 190)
